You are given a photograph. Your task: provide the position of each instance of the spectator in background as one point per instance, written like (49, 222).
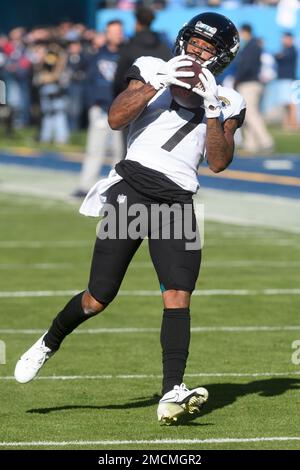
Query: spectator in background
(93, 42)
(100, 76)
(76, 71)
(87, 38)
(125, 4)
(5, 110)
(3, 41)
(268, 68)
(247, 83)
(286, 65)
(18, 77)
(49, 78)
(145, 42)
(214, 3)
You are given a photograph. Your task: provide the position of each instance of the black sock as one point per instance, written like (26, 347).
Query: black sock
(65, 322)
(175, 340)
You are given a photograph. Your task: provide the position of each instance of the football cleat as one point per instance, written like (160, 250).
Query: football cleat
(32, 360)
(180, 401)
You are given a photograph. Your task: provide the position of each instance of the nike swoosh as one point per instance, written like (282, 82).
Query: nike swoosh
(176, 398)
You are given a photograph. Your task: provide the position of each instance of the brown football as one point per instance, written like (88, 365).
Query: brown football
(184, 97)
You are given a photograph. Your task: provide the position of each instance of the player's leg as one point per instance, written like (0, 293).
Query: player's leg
(177, 268)
(110, 261)
(79, 309)
(109, 264)
(177, 399)
(177, 273)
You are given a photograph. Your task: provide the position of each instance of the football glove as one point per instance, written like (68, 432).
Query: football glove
(208, 89)
(168, 74)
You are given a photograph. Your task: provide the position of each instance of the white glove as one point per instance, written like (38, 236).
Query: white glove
(208, 89)
(167, 75)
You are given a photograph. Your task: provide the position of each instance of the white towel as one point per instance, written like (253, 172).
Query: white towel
(94, 200)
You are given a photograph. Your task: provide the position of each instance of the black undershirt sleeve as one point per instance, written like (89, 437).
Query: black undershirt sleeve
(239, 117)
(133, 73)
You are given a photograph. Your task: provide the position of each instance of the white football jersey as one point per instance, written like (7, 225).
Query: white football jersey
(169, 138)
(165, 137)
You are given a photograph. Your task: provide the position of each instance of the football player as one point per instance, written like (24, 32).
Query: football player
(166, 143)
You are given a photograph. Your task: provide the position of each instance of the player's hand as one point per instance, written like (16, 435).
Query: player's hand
(168, 74)
(208, 89)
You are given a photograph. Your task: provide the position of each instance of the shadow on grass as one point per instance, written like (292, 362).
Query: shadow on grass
(221, 395)
(141, 402)
(226, 394)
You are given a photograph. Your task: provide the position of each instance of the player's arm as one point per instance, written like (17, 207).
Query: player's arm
(129, 104)
(219, 139)
(220, 143)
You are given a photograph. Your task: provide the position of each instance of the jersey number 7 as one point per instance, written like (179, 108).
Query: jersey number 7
(185, 129)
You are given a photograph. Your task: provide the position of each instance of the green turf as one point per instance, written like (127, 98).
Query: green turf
(28, 138)
(116, 408)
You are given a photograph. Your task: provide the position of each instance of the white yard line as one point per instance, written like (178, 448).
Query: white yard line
(153, 293)
(149, 265)
(45, 244)
(249, 263)
(226, 440)
(20, 266)
(195, 329)
(243, 263)
(48, 293)
(158, 376)
(38, 244)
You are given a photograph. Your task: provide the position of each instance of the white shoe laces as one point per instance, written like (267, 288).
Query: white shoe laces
(38, 356)
(183, 387)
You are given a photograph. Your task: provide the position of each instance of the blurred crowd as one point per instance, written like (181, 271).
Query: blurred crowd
(46, 71)
(161, 4)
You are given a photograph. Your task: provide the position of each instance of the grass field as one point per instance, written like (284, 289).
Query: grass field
(101, 387)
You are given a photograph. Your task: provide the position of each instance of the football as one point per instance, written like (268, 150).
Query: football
(182, 96)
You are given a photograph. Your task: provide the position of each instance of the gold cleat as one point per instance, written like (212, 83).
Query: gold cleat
(180, 401)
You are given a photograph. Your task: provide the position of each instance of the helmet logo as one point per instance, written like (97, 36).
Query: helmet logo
(205, 29)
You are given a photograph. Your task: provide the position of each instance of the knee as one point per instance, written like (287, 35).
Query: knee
(90, 305)
(176, 298)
